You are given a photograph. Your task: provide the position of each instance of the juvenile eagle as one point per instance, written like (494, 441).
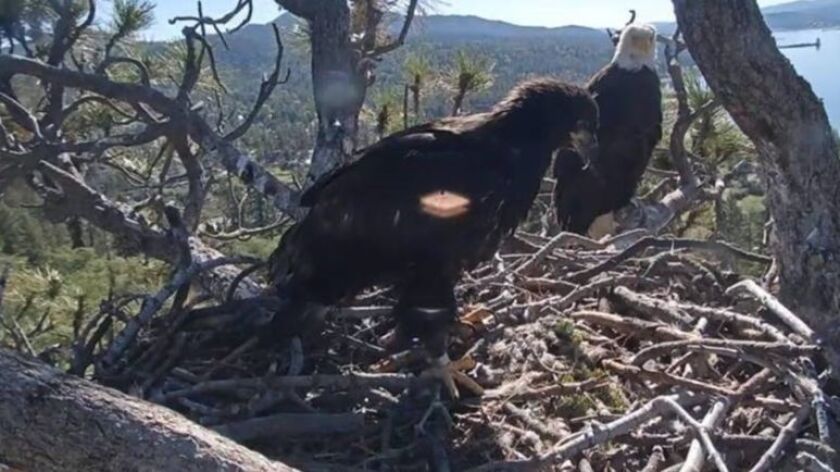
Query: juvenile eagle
(423, 205)
(630, 102)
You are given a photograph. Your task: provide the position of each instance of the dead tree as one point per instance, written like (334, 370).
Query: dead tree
(40, 146)
(779, 112)
(52, 421)
(344, 55)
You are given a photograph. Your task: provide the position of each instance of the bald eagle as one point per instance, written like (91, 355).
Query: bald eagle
(423, 205)
(630, 102)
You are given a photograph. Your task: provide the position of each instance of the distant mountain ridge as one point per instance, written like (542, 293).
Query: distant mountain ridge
(571, 53)
(801, 5)
(466, 26)
(804, 14)
(795, 15)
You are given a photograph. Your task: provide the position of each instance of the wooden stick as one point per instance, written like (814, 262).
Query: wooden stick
(786, 435)
(721, 314)
(665, 244)
(651, 307)
(640, 329)
(701, 431)
(638, 373)
(657, 457)
(782, 349)
(752, 443)
(561, 303)
(546, 392)
(152, 304)
(811, 463)
(832, 355)
(775, 306)
(533, 423)
(335, 382)
(695, 460)
(562, 239)
(586, 440)
(292, 425)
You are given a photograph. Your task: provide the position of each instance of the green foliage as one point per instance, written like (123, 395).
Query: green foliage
(470, 73)
(131, 16)
(698, 95)
(257, 246)
(25, 236)
(49, 294)
(614, 398)
(386, 110)
(575, 406)
(565, 330)
(417, 69)
(419, 77)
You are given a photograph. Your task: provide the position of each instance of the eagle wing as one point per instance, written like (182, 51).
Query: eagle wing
(629, 99)
(630, 103)
(429, 193)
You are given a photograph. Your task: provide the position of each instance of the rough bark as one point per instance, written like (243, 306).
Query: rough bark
(342, 71)
(51, 421)
(339, 81)
(779, 112)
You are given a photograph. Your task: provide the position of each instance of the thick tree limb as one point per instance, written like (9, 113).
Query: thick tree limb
(50, 421)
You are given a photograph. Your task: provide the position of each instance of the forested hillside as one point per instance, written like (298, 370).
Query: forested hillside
(513, 52)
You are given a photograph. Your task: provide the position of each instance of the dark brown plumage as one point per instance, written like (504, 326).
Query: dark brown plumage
(379, 221)
(630, 103)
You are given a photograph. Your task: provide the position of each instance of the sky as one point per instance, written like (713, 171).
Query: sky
(595, 13)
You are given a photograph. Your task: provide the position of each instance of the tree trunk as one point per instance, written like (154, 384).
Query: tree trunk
(51, 421)
(77, 232)
(340, 85)
(458, 102)
(779, 112)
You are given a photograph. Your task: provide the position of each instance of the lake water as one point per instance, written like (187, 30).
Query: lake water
(820, 67)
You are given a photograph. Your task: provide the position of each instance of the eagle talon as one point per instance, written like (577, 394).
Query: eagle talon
(451, 375)
(440, 370)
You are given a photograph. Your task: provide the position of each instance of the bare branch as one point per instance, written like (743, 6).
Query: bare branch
(152, 304)
(266, 88)
(397, 43)
(787, 434)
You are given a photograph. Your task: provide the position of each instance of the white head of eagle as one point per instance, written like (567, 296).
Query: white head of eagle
(636, 48)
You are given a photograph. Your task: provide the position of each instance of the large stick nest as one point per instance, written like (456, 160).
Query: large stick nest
(624, 355)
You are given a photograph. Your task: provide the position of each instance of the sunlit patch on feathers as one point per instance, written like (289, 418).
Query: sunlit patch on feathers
(444, 204)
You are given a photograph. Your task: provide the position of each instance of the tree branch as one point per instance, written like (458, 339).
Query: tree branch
(397, 43)
(55, 422)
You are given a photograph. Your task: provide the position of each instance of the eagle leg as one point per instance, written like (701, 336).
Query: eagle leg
(426, 311)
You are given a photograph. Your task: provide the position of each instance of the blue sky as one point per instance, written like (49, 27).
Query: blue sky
(597, 13)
